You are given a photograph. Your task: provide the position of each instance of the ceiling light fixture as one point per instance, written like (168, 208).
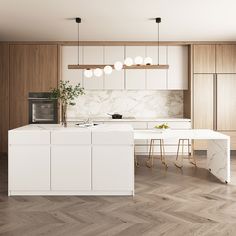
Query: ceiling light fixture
(129, 63)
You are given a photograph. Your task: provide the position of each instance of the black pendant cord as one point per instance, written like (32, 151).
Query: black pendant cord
(78, 45)
(158, 44)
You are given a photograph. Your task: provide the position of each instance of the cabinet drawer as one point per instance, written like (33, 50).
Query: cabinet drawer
(79, 136)
(172, 124)
(135, 125)
(29, 137)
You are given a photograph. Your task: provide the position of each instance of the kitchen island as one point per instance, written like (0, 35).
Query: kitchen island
(53, 160)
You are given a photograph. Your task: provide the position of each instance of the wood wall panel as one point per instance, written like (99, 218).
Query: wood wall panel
(33, 68)
(204, 59)
(225, 58)
(4, 96)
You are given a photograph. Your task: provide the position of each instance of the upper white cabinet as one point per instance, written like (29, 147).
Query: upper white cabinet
(157, 79)
(135, 78)
(178, 70)
(174, 78)
(70, 57)
(116, 79)
(93, 55)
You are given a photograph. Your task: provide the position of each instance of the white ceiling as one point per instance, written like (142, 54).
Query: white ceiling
(118, 20)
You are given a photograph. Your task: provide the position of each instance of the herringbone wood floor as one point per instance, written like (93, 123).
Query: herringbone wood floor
(191, 202)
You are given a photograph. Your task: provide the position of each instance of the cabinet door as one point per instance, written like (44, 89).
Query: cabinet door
(204, 58)
(203, 105)
(225, 58)
(178, 70)
(115, 80)
(69, 56)
(135, 78)
(226, 102)
(93, 55)
(29, 167)
(71, 167)
(113, 168)
(157, 79)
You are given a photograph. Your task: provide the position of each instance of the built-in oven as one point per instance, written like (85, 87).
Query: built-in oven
(42, 108)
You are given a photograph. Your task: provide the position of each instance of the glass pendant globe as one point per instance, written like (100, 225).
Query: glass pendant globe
(148, 61)
(138, 60)
(107, 70)
(97, 72)
(88, 73)
(118, 65)
(128, 61)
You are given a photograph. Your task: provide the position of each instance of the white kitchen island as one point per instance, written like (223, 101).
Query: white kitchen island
(53, 160)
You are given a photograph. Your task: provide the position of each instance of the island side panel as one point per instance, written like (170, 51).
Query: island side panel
(218, 158)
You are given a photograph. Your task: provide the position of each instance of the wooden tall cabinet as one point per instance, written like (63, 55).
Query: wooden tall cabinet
(214, 83)
(225, 58)
(33, 68)
(204, 58)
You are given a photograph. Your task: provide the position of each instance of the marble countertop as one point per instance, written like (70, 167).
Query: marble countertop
(73, 127)
(129, 119)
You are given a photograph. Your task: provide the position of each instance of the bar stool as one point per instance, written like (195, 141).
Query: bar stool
(192, 160)
(149, 162)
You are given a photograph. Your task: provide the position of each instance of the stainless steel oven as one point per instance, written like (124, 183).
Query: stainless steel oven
(42, 108)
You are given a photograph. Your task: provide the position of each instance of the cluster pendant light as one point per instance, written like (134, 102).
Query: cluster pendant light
(129, 63)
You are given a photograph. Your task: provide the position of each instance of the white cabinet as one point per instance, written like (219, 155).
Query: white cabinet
(178, 70)
(113, 168)
(29, 167)
(93, 55)
(70, 57)
(135, 78)
(71, 167)
(115, 80)
(157, 78)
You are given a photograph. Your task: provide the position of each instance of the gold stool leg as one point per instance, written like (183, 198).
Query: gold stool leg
(163, 153)
(177, 163)
(150, 156)
(192, 158)
(135, 159)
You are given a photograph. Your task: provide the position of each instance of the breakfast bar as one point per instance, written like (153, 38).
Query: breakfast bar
(218, 151)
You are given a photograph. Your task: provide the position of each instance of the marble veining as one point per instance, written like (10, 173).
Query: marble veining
(135, 103)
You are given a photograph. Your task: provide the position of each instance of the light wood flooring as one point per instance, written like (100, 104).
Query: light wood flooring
(191, 202)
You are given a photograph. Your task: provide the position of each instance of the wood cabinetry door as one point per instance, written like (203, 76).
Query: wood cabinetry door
(226, 102)
(33, 68)
(225, 58)
(178, 70)
(93, 55)
(115, 80)
(204, 58)
(135, 78)
(157, 79)
(203, 105)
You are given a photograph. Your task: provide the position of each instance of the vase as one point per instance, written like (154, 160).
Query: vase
(64, 115)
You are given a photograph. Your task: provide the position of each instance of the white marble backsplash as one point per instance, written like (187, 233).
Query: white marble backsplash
(141, 104)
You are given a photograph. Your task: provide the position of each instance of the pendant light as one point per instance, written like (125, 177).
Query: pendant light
(87, 73)
(129, 63)
(158, 21)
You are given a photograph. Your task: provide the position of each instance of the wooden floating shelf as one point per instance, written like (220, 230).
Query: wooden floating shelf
(82, 67)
